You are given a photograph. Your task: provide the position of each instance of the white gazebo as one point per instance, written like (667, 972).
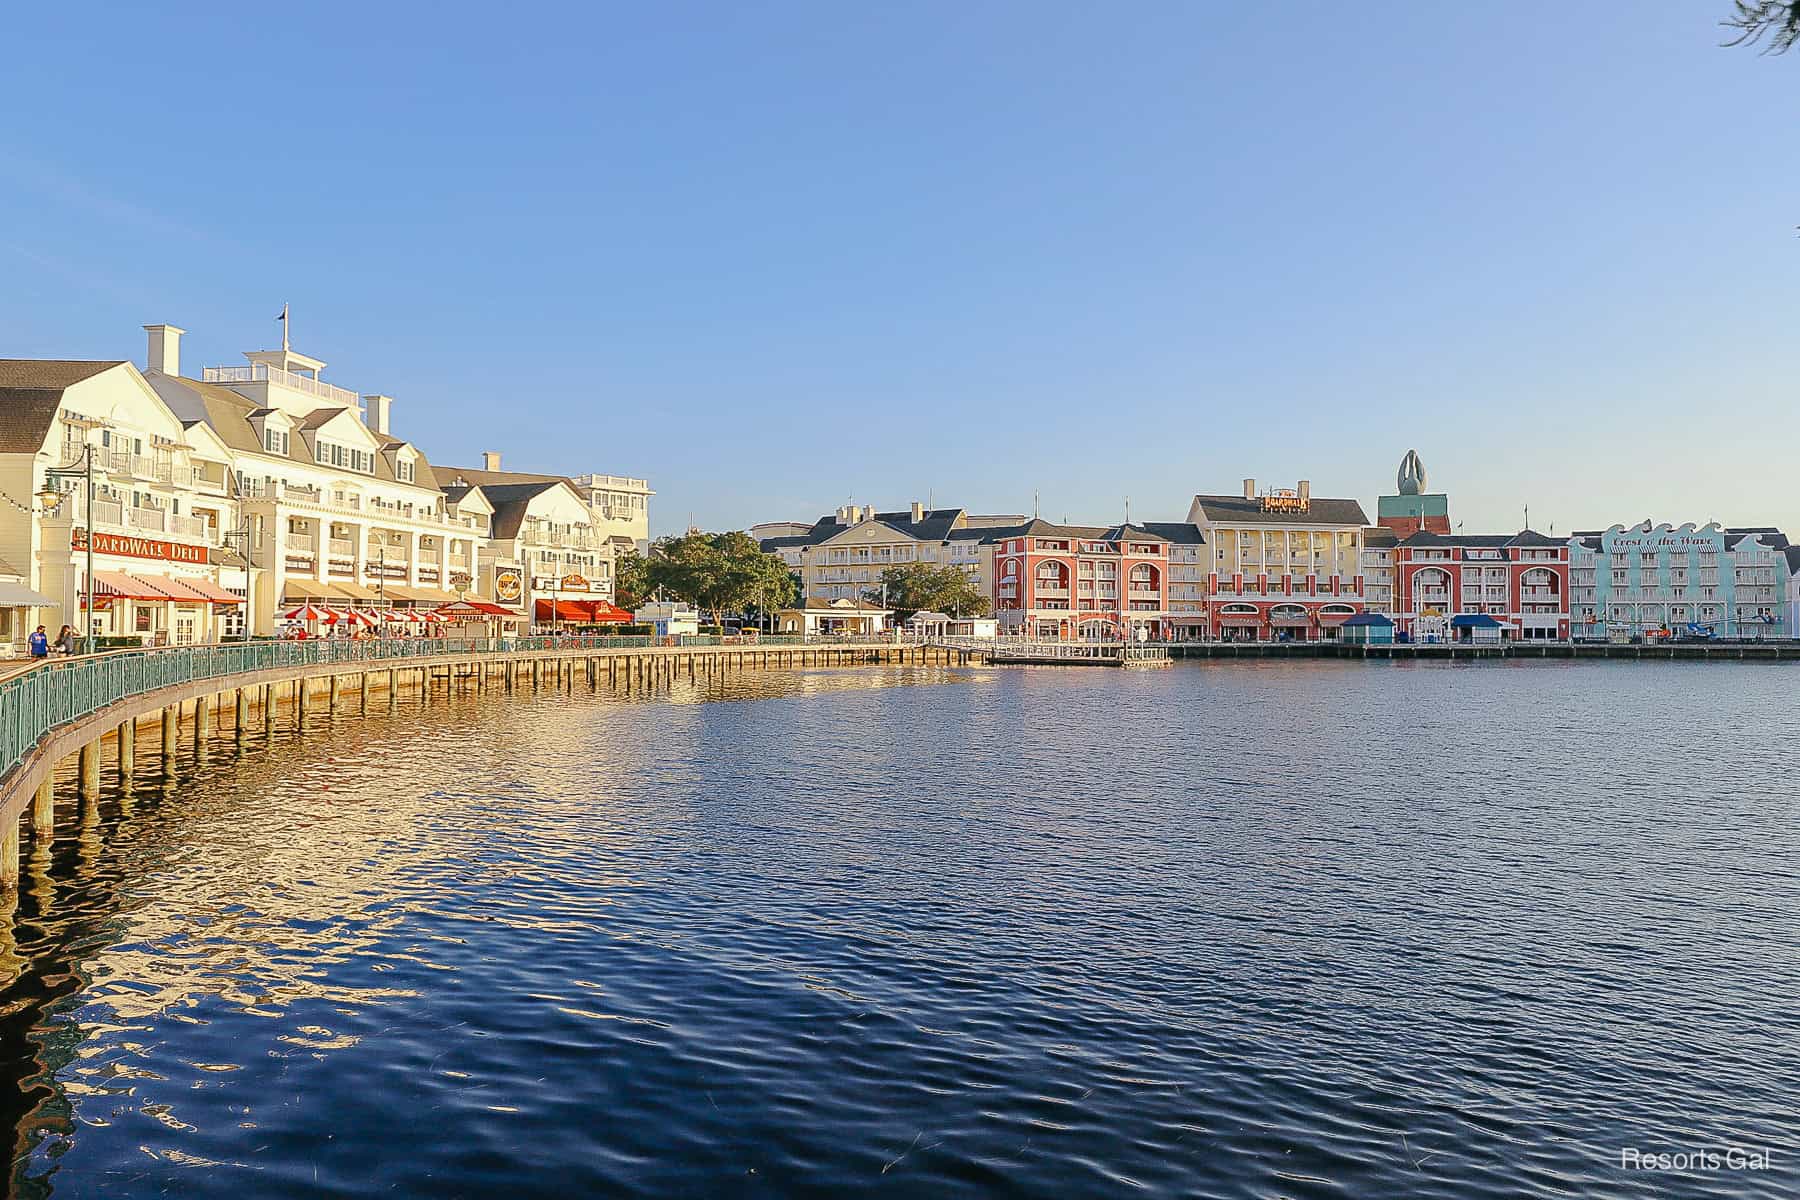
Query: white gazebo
(926, 623)
(835, 617)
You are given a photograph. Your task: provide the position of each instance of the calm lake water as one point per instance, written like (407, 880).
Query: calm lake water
(1234, 930)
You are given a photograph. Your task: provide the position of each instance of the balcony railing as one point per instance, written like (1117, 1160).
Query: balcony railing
(297, 541)
(155, 520)
(263, 373)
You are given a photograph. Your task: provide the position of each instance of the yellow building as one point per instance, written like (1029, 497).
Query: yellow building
(841, 556)
(1285, 564)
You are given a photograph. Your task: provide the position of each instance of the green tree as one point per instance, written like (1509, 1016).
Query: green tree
(1772, 24)
(631, 579)
(914, 587)
(718, 572)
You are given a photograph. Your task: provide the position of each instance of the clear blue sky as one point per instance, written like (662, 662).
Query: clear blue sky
(776, 257)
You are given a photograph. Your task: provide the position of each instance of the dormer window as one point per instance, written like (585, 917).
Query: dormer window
(330, 454)
(403, 470)
(275, 441)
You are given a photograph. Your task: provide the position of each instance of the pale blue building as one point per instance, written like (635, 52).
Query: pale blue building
(1644, 579)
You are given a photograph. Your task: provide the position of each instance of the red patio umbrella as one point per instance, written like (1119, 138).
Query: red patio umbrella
(308, 612)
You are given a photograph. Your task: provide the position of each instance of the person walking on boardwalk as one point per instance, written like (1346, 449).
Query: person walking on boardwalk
(40, 643)
(65, 641)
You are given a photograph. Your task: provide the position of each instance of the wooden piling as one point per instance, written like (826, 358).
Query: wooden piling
(89, 770)
(43, 810)
(9, 854)
(127, 756)
(171, 726)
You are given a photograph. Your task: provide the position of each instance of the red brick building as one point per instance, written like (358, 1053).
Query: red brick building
(1081, 582)
(1521, 580)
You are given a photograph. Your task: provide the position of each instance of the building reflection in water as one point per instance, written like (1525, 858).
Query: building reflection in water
(280, 883)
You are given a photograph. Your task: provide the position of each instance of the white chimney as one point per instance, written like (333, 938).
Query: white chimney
(165, 348)
(918, 512)
(377, 411)
(1249, 489)
(1305, 491)
(490, 460)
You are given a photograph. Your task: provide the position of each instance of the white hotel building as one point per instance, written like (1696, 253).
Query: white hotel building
(224, 500)
(333, 507)
(162, 569)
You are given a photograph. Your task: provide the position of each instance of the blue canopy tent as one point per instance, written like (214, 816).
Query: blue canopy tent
(1368, 629)
(1475, 627)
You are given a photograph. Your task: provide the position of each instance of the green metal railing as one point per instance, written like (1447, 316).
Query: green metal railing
(37, 700)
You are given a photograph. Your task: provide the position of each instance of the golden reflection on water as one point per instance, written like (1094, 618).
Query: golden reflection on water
(263, 877)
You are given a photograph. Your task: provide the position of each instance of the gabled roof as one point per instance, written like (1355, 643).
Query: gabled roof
(1525, 537)
(30, 393)
(51, 374)
(1769, 535)
(231, 415)
(935, 526)
(1038, 527)
(512, 502)
(1235, 510)
(321, 416)
(1182, 533)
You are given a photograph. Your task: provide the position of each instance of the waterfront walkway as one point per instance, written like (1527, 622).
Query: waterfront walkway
(1012, 650)
(82, 706)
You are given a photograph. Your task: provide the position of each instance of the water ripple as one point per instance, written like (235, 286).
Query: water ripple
(1235, 930)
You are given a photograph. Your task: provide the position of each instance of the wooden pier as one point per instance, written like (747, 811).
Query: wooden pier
(1073, 654)
(1771, 651)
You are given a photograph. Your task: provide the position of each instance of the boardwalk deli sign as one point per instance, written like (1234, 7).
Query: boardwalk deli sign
(137, 547)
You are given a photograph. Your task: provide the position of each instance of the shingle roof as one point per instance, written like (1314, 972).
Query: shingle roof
(1770, 536)
(1320, 511)
(30, 393)
(936, 526)
(1525, 537)
(1184, 533)
(511, 502)
(1380, 536)
(320, 416)
(229, 415)
(1108, 533)
(50, 374)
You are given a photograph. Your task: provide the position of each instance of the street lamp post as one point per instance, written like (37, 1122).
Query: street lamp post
(238, 542)
(50, 498)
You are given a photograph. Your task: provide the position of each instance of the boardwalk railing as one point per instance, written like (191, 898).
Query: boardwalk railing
(40, 698)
